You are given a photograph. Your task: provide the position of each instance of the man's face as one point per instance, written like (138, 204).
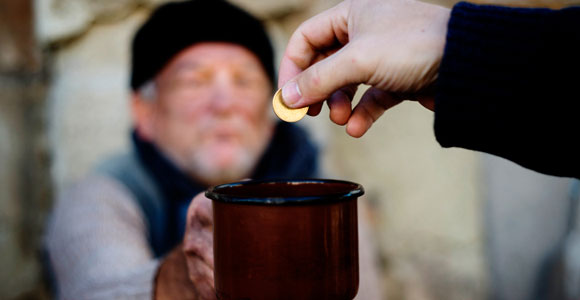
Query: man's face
(210, 114)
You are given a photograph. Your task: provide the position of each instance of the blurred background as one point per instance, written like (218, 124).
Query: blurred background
(449, 223)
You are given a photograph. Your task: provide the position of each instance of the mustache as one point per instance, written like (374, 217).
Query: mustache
(232, 125)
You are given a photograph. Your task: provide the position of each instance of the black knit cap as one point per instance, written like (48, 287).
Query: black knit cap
(175, 26)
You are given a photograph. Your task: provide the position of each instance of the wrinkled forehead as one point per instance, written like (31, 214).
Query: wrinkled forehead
(216, 54)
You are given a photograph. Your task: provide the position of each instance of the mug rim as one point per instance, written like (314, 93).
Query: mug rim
(356, 191)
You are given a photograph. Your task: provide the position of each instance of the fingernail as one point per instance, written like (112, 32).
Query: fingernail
(291, 93)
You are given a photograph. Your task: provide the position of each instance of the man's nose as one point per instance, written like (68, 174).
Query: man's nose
(223, 97)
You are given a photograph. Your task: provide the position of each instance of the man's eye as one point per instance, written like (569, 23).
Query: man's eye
(242, 82)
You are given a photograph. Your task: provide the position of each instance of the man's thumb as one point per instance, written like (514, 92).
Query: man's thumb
(321, 79)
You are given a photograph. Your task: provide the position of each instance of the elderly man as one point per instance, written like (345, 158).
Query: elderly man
(202, 80)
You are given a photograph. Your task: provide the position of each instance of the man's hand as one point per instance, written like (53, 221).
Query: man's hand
(187, 271)
(198, 246)
(393, 45)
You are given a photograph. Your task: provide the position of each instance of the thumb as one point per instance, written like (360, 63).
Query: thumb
(323, 78)
(200, 210)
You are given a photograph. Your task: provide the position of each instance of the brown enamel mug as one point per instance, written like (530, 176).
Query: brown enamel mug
(286, 239)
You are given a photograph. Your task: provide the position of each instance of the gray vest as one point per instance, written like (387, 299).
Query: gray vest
(127, 169)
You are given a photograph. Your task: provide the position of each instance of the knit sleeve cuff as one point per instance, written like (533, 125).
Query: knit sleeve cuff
(483, 42)
(501, 87)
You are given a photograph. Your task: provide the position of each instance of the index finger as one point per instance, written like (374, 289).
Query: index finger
(326, 30)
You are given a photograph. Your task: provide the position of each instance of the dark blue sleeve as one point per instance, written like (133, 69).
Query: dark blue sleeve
(509, 85)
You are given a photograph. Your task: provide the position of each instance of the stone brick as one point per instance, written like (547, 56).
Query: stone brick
(20, 225)
(266, 9)
(89, 99)
(61, 20)
(17, 52)
(22, 207)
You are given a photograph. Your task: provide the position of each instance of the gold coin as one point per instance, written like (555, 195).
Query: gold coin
(286, 113)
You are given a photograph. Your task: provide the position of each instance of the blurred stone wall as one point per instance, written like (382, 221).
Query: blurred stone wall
(24, 181)
(70, 105)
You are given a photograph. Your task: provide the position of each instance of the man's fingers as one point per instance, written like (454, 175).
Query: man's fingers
(340, 104)
(427, 101)
(200, 210)
(199, 271)
(198, 239)
(314, 109)
(315, 36)
(371, 106)
(206, 292)
(199, 256)
(199, 244)
(202, 278)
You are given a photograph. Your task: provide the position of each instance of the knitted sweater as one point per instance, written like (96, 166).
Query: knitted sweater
(508, 85)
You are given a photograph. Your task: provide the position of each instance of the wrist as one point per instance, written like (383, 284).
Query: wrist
(439, 17)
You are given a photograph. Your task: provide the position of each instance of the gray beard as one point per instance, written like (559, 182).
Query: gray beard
(203, 170)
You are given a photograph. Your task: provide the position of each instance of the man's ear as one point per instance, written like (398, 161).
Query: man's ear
(142, 111)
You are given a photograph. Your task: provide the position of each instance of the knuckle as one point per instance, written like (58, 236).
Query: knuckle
(194, 276)
(312, 80)
(359, 63)
(192, 245)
